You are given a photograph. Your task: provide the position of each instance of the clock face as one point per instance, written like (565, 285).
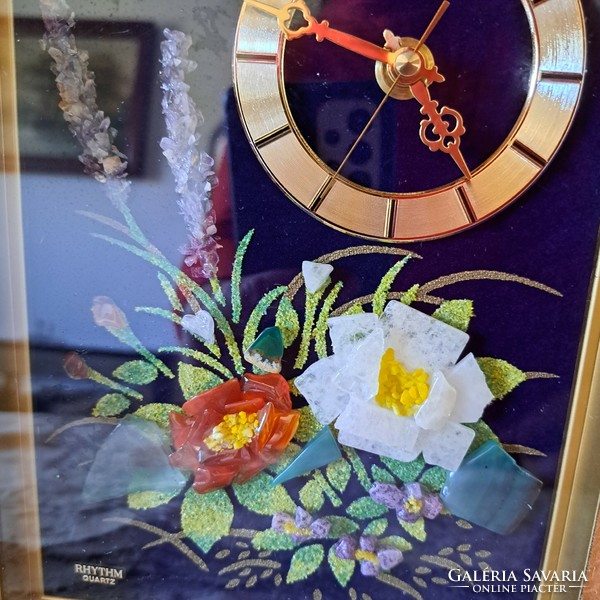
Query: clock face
(422, 138)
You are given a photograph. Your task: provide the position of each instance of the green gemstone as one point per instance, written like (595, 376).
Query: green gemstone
(319, 452)
(491, 490)
(266, 350)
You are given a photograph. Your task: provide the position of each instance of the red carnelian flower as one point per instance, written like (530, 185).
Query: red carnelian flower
(232, 432)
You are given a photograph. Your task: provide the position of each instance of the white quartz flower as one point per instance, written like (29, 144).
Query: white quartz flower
(344, 386)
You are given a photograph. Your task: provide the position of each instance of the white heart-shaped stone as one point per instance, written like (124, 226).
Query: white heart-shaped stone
(200, 324)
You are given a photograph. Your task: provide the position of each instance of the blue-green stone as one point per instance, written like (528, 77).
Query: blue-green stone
(133, 458)
(319, 452)
(266, 350)
(489, 489)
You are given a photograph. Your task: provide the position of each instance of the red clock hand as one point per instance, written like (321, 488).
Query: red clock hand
(322, 31)
(446, 135)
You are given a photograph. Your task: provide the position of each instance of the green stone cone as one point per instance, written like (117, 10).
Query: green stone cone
(266, 350)
(320, 451)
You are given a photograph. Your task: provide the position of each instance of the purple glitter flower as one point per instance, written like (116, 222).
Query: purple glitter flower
(301, 528)
(410, 502)
(372, 556)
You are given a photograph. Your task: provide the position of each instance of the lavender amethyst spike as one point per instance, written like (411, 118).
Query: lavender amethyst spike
(75, 83)
(192, 169)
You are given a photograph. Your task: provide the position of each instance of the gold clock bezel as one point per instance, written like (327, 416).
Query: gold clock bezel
(558, 41)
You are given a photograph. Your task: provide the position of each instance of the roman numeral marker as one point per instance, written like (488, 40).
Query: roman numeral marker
(256, 57)
(390, 218)
(561, 76)
(528, 154)
(467, 207)
(270, 137)
(321, 194)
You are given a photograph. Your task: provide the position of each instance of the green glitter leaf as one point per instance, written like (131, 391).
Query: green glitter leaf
(311, 496)
(288, 321)
(359, 467)
(501, 376)
(321, 328)
(381, 475)
(310, 310)
(193, 380)
(289, 454)
(206, 518)
(381, 294)
(416, 529)
(215, 286)
(365, 508)
(395, 541)
(170, 293)
(260, 310)
(236, 276)
(341, 526)
(376, 527)
(482, 434)
(308, 426)
(147, 500)
(201, 357)
(158, 413)
(406, 472)
(341, 568)
(410, 295)
(258, 496)
(273, 540)
(434, 478)
(138, 372)
(110, 405)
(457, 313)
(355, 309)
(338, 473)
(305, 562)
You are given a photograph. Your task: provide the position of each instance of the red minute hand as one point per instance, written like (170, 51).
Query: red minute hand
(446, 135)
(321, 30)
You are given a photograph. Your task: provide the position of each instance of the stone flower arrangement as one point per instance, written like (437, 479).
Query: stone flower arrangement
(405, 410)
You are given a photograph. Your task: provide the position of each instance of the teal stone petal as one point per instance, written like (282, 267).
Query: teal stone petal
(266, 350)
(133, 458)
(320, 451)
(489, 489)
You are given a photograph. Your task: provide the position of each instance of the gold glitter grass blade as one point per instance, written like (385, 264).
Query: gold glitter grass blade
(320, 332)
(310, 310)
(382, 291)
(479, 275)
(165, 537)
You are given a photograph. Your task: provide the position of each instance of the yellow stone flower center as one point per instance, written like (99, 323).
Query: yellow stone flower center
(399, 390)
(233, 432)
(413, 505)
(290, 528)
(364, 555)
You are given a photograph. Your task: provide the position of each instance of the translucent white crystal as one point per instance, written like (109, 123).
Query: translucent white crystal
(200, 324)
(325, 398)
(348, 331)
(446, 447)
(315, 275)
(355, 441)
(420, 341)
(359, 373)
(472, 392)
(369, 421)
(436, 410)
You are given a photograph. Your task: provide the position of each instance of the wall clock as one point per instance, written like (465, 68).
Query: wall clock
(422, 167)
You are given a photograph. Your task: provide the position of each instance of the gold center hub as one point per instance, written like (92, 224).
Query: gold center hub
(408, 63)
